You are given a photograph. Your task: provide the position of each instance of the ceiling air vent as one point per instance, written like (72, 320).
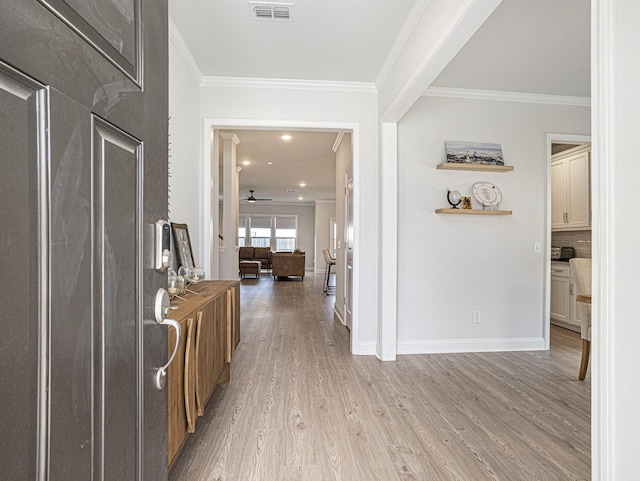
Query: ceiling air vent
(279, 12)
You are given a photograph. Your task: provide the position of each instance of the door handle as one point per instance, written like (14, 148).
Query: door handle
(162, 308)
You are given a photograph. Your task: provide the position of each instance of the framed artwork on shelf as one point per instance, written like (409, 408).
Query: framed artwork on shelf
(473, 153)
(182, 244)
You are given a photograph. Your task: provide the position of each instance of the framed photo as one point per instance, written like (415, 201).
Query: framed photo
(182, 243)
(474, 153)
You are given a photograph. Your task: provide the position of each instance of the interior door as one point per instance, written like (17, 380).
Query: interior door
(83, 170)
(349, 251)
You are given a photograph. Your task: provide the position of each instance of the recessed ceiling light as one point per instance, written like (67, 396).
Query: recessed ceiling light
(292, 190)
(269, 163)
(302, 184)
(286, 137)
(246, 162)
(300, 198)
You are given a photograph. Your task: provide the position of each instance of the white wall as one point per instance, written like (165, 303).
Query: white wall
(184, 129)
(306, 223)
(332, 105)
(325, 211)
(449, 266)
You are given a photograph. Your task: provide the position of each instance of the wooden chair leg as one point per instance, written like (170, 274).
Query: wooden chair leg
(586, 348)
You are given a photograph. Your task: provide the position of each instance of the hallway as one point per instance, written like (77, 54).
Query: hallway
(300, 407)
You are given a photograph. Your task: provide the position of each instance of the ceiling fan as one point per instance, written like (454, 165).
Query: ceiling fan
(251, 199)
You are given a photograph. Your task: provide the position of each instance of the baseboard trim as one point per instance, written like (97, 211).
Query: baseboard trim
(338, 315)
(446, 346)
(367, 348)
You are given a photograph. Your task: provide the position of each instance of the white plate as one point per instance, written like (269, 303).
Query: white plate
(487, 194)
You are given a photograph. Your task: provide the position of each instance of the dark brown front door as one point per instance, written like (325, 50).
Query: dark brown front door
(83, 172)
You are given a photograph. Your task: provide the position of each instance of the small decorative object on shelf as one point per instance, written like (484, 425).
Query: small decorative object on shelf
(466, 202)
(454, 198)
(487, 194)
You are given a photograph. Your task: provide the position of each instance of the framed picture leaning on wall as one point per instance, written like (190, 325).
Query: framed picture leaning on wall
(182, 244)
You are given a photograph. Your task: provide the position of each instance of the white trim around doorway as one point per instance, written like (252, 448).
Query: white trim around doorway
(210, 183)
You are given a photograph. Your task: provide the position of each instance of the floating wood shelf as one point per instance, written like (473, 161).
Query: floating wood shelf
(473, 212)
(475, 167)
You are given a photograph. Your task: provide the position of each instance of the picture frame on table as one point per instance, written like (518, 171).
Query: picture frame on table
(182, 243)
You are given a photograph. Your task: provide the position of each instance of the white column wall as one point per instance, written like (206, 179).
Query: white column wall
(229, 257)
(616, 170)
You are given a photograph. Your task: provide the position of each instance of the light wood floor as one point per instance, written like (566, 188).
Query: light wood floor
(300, 407)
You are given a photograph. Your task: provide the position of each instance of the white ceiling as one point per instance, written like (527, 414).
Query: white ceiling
(531, 46)
(345, 40)
(307, 158)
(540, 47)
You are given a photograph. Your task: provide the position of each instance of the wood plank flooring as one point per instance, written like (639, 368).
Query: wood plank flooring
(300, 407)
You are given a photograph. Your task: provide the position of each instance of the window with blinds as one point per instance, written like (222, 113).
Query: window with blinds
(279, 231)
(260, 231)
(286, 233)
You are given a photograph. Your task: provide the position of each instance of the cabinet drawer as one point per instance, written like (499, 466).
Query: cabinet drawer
(560, 269)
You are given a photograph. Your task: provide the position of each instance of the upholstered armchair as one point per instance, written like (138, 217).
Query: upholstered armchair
(581, 280)
(286, 264)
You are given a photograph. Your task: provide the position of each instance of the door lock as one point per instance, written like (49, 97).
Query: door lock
(163, 258)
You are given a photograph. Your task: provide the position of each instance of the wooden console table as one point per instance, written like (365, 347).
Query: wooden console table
(210, 321)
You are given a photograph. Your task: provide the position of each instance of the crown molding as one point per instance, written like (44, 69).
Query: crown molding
(504, 96)
(230, 136)
(176, 38)
(338, 141)
(327, 85)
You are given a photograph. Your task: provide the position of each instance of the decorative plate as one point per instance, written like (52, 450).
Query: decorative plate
(487, 194)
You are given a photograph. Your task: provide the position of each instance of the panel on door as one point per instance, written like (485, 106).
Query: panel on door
(23, 316)
(117, 323)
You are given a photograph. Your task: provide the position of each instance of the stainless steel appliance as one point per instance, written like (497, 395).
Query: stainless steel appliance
(562, 253)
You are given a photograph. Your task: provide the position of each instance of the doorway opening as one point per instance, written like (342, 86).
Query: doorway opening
(212, 181)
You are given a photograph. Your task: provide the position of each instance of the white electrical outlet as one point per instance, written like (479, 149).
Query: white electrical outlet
(537, 248)
(476, 316)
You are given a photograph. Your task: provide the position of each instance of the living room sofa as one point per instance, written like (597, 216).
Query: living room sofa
(287, 264)
(262, 254)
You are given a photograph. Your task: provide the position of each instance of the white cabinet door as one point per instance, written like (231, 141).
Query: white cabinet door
(570, 191)
(558, 194)
(560, 295)
(578, 199)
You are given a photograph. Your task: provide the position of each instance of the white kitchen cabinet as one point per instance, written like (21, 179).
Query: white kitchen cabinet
(570, 190)
(560, 292)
